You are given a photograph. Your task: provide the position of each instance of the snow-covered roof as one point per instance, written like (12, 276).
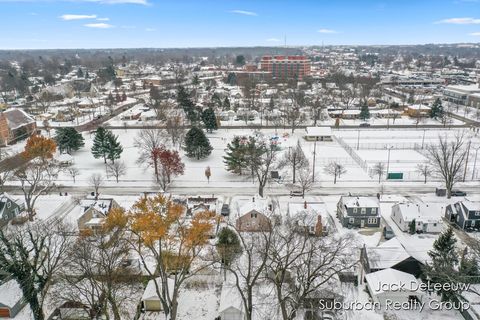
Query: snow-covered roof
(150, 292)
(386, 255)
(257, 203)
(360, 202)
(318, 131)
(10, 293)
(390, 276)
(230, 298)
(309, 215)
(417, 211)
(17, 118)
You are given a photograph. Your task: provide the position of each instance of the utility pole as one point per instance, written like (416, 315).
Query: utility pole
(314, 153)
(358, 139)
(475, 162)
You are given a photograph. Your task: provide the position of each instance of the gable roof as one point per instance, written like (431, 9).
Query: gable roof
(230, 298)
(150, 292)
(386, 255)
(390, 276)
(17, 118)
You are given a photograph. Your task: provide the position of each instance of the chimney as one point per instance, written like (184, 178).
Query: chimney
(305, 205)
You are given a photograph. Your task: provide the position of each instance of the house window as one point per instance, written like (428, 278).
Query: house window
(434, 224)
(253, 215)
(372, 220)
(477, 213)
(374, 210)
(354, 210)
(351, 221)
(364, 210)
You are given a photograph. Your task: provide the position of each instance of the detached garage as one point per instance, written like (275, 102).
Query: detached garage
(150, 299)
(11, 299)
(231, 306)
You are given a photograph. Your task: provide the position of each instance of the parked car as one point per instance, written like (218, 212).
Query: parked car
(388, 233)
(225, 210)
(458, 193)
(440, 192)
(296, 193)
(364, 124)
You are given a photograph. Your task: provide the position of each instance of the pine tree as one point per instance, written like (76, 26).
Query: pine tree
(99, 148)
(364, 113)
(69, 139)
(468, 268)
(197, 144)
(412, 228)
(436, 111)
(234, 159)
(209, 120)
(226, 104)
(228, 245)
(79, 73)
(113, 147)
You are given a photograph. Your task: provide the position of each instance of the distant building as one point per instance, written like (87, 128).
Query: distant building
(418, 110)
(286, 67)
(358, 212)
(9, 208)
(94, 213)
(15, 124)
(460, 94)
(253, 216)
(318, 133)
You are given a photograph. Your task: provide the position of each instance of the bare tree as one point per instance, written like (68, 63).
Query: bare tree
(299, 264)
(175, 129)
(249, 267)
(73, 172)
(379, 170)
(117, 169)
(96, 274)
(262, 161)
(305, 180)
(295, 158)
(335, 169)
(425, 170)
(96, 181)
(448, 160)
(36, 177)
(149, 141)
(32, 255)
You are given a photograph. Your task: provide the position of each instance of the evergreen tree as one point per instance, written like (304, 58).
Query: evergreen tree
(209, 120)
(87, 75)
(228, 245)
(412, 228)
(364, 113)
(99, 147)
(69, 139)
(235, 158)
(79, 73)
(226, 104)
(197, 144)
(436, 111)
(444, 259)
(469, 269)
(113, 147)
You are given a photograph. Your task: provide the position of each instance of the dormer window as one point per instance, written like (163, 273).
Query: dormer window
(364, 210)
(374, 210)
(354, 210)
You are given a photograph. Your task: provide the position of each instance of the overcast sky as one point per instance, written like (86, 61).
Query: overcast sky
(206, 23)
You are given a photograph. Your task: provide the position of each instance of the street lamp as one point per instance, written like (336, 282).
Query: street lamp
(475, 162)
(389, 148)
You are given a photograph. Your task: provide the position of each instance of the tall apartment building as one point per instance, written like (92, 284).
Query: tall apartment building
(286, 67)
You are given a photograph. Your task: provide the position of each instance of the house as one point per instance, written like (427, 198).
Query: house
(150, 298)
(390, 254)
(9, 208)
(465, 214)
(384, 285)
(417, 110)
(11, 298)
(94, 213)
(253, 216)
(318, 134)
(311, 217)
(231, 306)
(404, 213)
(358, 211)
(15, 124)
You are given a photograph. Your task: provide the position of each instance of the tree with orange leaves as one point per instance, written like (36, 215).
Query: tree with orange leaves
(178, 244)
(39, 147)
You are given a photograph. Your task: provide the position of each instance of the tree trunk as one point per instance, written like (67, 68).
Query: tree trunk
(36, 308)
(334, 179)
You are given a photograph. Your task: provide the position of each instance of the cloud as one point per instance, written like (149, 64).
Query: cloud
(68, 17)
(273, 40)
(327, 31)
(460, 21)
(477, 34)
(245, 13)
(103, 19)
(98, 25)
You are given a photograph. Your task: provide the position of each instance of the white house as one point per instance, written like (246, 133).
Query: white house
(311, 216)
(231, 306)
(404, 213)
(383, 287)
(318, 133)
